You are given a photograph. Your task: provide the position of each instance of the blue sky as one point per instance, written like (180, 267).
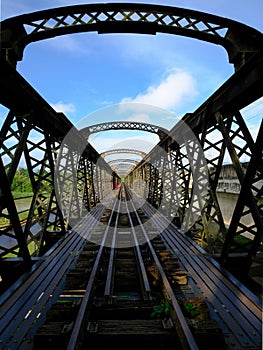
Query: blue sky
(84, 74)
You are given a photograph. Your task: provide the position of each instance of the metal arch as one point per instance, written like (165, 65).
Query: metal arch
(122, 125)
(123, 150)
(238, 39)
(123, 166)
(123, 161)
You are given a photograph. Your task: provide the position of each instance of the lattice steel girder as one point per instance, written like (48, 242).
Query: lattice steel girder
(79, 177)
(238, 39)
(217, 149)
(124, 125)
(180, 190)
(250, 198)
(103, 182)
(85, 179)
(29, 112)
(122, 161)
(123, 150)
(37, 156)
(20, 97)
(243, 88)
(44, 202)
(12, 211)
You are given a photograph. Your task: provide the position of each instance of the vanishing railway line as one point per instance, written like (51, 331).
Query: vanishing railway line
(124, 276)
(114, 281)
(119, 272)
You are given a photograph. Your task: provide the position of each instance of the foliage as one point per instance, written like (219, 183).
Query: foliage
(161, 310)
(243, 244)
(21, 182)
(189, 309)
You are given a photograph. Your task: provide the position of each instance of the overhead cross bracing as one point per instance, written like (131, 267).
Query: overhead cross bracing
(123, 17)
(163, 179)
(123, 166)
(124, 125)
(123, 150)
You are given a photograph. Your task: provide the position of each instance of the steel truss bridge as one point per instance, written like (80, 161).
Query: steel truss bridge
(173, 177)
(124, 125)
(123, 150)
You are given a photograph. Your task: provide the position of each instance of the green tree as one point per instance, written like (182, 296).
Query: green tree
(21, 182)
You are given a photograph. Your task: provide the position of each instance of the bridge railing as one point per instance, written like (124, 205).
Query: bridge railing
(185, 188)
(31, 138)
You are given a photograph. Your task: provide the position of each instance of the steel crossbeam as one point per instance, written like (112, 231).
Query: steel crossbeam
(124, 125)
(123, 150)
(33, 133)
(32, 140)
(129, 17)
(221, 129)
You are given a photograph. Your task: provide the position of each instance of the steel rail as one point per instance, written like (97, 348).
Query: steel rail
(109, 280)
(239, 312)
(218, 272)
(147, 287)
(52, 253)
(189, 341)
(20, 310)
(75, 337)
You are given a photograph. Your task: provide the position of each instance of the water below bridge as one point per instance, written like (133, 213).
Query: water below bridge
(227, 202)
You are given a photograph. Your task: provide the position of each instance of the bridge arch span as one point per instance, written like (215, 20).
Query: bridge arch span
(123, 150)
(122, 161)
(239, 40)
(124, 125)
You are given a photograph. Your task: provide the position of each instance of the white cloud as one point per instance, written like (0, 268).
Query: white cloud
(144, 142)
(172, 92)
(69, 43)
(63, 107)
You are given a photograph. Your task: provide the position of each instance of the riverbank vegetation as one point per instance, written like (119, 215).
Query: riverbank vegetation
(21, 189)
(21, 184)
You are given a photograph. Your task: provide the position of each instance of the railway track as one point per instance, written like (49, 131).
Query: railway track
(126, 286)
(121, 290)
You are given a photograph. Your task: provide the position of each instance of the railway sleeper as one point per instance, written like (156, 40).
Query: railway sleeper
(122, 311)
(208, 334)
(131, 334)
(92, 247)
(129, 325)
(65, 309)
(77, 278)
(56, 330)
(53, 335)
(205, 329)
(128, 322)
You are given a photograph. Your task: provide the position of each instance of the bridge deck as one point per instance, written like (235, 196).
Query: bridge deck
(35, 292)
(236, 310)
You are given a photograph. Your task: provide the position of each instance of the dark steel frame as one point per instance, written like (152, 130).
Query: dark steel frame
(29, 112)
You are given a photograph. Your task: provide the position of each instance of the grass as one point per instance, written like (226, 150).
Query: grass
(4, 222)
(31, 247)
(21, 195)
(244, 243)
